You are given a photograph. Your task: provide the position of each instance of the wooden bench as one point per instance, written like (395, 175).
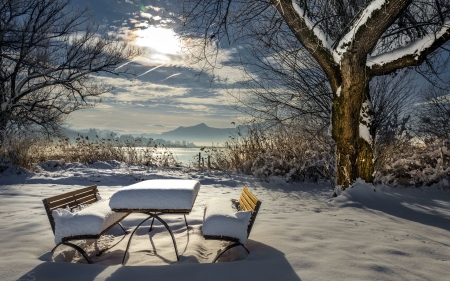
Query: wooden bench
(246, 202)
(71, 200)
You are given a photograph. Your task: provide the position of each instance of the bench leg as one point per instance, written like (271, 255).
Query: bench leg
(230, 247)
(78, 249)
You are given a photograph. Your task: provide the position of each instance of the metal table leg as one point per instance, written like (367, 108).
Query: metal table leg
(187, 226)
(154, 216)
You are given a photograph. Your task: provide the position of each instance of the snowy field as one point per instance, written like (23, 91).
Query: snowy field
(301, 232)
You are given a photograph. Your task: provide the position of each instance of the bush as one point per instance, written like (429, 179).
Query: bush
(417, 164)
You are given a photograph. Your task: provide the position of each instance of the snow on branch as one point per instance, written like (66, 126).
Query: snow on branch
(415, 49)
(320, 34)
(346, 41)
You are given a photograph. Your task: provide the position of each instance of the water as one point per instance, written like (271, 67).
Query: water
(185, 155)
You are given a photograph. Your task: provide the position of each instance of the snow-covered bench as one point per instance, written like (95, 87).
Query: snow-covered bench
(229, 220)
(92, 220)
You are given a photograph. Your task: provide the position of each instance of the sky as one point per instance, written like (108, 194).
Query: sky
(165, 94)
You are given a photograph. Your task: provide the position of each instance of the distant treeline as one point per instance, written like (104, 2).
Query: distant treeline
(93, 134)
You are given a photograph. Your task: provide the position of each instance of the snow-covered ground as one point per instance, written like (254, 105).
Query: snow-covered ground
(301, 232)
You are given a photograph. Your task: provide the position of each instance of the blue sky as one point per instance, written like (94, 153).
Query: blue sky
(165, 95)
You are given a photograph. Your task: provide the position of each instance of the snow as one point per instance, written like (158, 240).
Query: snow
(362, 20)
(90, 220)
(166, 194)
(365, 122)
(338, 92)
(320, 34)
(414, 48)
(222, 219)
(301, 232)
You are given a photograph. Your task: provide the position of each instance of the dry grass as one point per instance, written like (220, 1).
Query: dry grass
(284, 151)
(26, 151)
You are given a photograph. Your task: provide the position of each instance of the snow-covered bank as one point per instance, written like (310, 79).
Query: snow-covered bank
(301, 232)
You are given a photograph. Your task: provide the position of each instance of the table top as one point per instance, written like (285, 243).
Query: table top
(167, 196)
(172, 211)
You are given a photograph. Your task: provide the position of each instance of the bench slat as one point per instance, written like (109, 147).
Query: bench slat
(73, 200)
(249, 202)
(250, 195)
(84, 195)
(88, 201)
(244, 205)
(92, 188)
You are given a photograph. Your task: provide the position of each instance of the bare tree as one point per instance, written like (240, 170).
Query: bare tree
(49, 54)
(434, 114)
(352, 41)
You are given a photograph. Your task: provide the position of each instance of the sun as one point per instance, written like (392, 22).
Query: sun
(159, 39)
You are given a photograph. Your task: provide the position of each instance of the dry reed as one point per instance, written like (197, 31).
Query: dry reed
(284, 151)
(26, 151)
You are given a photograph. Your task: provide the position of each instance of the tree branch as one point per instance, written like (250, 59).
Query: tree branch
(412, 55)
(376, 18)
(308, 35)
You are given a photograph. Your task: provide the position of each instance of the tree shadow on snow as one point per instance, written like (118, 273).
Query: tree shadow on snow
(425, 207)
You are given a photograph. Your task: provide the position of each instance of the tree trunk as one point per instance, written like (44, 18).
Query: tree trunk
(353, 147)
(3, 124)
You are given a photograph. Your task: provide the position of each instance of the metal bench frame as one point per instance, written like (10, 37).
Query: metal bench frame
(73, 199)
(247, 202)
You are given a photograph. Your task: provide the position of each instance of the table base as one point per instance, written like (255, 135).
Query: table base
(155, 216)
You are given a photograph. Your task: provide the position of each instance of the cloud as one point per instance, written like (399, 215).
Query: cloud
(103, 106)
(173, 75)
(160, 98)
(150, 70)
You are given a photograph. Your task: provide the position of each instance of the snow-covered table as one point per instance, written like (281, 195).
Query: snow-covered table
(156, 197)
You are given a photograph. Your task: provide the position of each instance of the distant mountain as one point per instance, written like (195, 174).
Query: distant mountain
(200, 133)
(181, 136)
(140, 140)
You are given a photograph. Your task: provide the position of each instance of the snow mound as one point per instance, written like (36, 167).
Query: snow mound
(101, 165)
(221, 218)
(52, 165)
(8, 169)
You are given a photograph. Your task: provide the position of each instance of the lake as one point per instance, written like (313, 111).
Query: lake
(185, 155)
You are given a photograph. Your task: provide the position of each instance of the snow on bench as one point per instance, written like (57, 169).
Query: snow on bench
(93, 220)
(164, 195)
(225, 220)
(90, 221)
(221, 218)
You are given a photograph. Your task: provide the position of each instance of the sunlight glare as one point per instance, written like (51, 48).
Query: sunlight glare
(162, 40)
